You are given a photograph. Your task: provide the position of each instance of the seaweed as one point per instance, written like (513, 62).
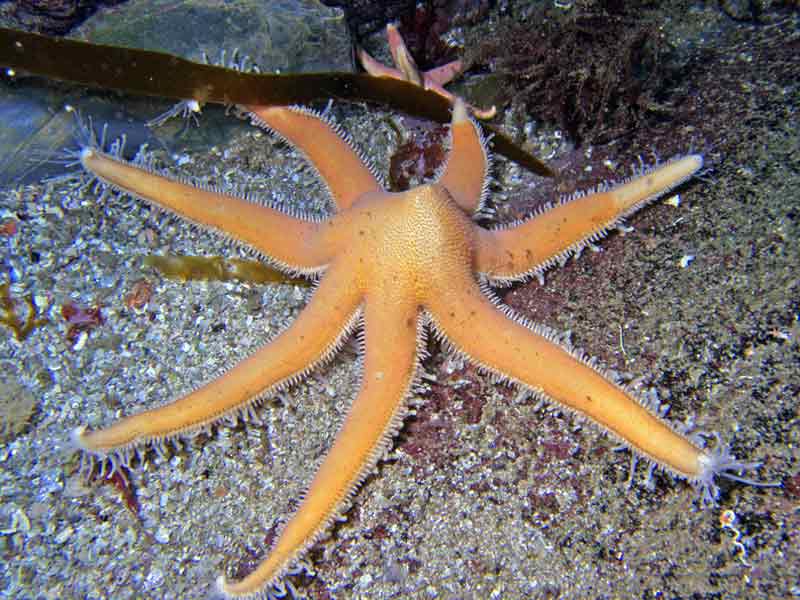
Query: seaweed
(120, 480)
(418, 157)
(8, 228)
(149, 73)
(596, 73)
(217, 268)
(81, 320)
(10, 317)
(140, 294)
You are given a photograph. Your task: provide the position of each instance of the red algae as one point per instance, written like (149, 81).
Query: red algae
(80, 319)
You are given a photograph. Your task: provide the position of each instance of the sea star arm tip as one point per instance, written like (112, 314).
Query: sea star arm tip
(291, 245)
(720, 463)
(654, 182)
(402, 57)
(375, 67)
(310, 340)
(444, 74)
(75, 441)
(531, 356)
(512, 253)
(465, 171)
(366, 434)
(346, 172)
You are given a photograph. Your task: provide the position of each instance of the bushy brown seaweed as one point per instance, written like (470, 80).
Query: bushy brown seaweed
(595, 73)
(603, 70)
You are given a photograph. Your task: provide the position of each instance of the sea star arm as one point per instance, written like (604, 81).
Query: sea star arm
(314, 336)
(392, 342)
(444, 74)
(465, 172)
(529, 248)
(287, 240)
(339, 165)
(402, 58)
(529, 355)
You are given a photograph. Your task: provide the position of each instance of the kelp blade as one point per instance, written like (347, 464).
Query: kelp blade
(159, 74)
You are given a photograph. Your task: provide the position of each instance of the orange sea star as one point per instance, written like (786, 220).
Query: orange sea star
(394, 265)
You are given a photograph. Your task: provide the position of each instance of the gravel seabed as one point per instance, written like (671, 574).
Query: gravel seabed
(530, 504)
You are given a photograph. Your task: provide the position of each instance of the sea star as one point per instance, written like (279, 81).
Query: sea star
(394, 265)
(406, 69)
